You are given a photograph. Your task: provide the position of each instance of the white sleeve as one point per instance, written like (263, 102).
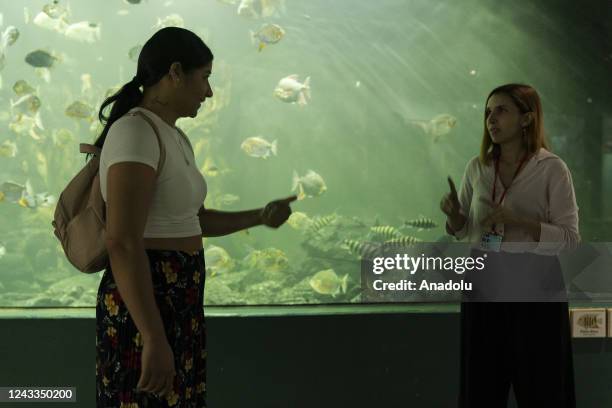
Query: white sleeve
(131, 139)
(561, 230)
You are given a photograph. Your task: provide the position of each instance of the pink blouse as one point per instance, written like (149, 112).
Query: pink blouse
(542, 191)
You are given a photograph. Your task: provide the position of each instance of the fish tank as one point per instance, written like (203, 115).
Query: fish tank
(362, 108)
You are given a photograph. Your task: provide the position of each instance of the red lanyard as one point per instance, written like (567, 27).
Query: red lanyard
(513, 177)
(518, 169)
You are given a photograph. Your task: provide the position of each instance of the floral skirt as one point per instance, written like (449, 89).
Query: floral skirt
(178, 286)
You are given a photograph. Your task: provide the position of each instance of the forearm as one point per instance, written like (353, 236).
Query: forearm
(531, 226)
(216, 223)
(130, 267)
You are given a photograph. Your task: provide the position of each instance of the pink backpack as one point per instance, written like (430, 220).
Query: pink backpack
(79, 221)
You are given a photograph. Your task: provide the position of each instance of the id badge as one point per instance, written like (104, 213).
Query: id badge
(491, 241)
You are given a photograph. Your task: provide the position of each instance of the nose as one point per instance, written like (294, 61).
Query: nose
(491, 120)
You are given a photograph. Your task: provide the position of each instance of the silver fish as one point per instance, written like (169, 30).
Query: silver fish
(84, 31)
(309, 185)
(259, 147)
(290, 90)
(267, 34)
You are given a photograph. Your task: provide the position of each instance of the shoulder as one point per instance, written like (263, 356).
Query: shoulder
(474, 166)
(550, 162)
(130, 136)
(133, 125)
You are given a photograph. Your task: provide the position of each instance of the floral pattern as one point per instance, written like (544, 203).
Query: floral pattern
(178, 287)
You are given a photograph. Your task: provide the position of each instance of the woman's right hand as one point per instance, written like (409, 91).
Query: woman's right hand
(450, 202)
(157, 368)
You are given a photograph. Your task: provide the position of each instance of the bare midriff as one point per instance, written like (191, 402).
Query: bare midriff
(185, 244)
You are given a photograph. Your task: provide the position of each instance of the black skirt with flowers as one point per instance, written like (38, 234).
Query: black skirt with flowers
(178, 286)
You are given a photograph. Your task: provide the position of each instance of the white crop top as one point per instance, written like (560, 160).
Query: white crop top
(180, 188)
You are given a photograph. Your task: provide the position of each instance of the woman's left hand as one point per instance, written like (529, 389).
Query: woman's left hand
(276, 212)
(501, 215)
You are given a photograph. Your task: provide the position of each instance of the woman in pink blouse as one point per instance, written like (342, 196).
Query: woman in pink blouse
(517, 209)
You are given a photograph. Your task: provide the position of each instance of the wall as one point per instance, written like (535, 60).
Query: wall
(354, 360)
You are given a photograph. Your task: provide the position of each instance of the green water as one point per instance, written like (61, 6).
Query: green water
(373, 66)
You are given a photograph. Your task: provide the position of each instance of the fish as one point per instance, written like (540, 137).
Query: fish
(386, 231)
(9, 37)
(319, 223)
(55, 10)
(27, 104)
(421, 223)
(2, 249)
(440, 125)
(172, 20)
(290, 90)
(84, 31)
(134, 52)
(29, 199)
(21, 87)
(85, 82)
(327, 282)
(589, 321)
(267, 34)
(12, 191)
(269, 260)
(41, 59)
(228, 199)
(210, 169)
(79, 110)
(8, 149)
(309, 185)
(218, 261)
(123, 12)
(43, 73)
(45, 200)
(27, 123)
(259, 147)
(246, 8)
(299, 221)
(403, 241)
(365, 250)
(261, 8)
(133, 1)
(43, 20)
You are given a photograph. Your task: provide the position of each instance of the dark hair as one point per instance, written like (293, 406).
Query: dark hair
(166, 46)
(526, 99)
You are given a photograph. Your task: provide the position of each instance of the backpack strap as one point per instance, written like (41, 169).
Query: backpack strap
(162, 150)
(89, 148)
(186, 138)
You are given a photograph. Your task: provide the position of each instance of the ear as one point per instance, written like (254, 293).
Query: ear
(175, 72)
(527, 119)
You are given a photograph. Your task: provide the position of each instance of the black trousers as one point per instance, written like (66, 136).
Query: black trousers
(523, 344)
